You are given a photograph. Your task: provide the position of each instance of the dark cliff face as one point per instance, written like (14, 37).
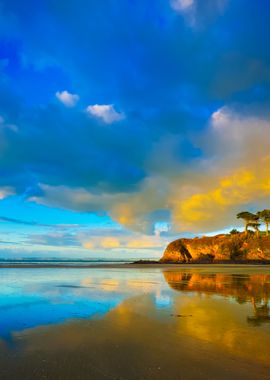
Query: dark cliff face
(216, 248)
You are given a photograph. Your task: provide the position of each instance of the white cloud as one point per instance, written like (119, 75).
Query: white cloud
(106, 112)
(219, 116)
(197, 13)
(68, 99)
(182, 5)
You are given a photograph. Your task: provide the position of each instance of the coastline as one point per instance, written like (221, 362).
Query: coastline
(136, 265)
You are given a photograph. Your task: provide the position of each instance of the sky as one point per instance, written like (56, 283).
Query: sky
(125, 124)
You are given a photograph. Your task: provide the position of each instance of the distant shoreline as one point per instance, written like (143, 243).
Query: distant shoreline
(202, 262)
(137, 264)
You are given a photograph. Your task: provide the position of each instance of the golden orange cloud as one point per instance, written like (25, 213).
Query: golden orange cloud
(143, 243)
(216, 207)
(88, 245)
(110, 242)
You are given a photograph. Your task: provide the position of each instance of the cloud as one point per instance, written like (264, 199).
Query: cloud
(19, 221)
(144, 243)
(110, 242)
(134, 242)
(187, 8)
(68, 99)
(121, 238)
(139, 210)
(182, 5)
(169, 146)
(26, 153)
(105, 112)
(37, 224)
(88, 245)
(235, 176)
(198, 13)
(54, 239)
(6, 191)
(101, 242)
(239, 137)
(230, 175)
(217, 207)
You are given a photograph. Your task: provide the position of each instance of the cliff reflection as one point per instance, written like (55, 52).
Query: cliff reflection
(261, 313)
(251, 288)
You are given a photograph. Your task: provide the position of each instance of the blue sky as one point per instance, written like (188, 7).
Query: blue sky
(124, 124)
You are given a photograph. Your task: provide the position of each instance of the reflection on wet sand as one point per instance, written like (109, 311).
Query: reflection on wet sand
(133, 341)
(254, 288)
(261, 313)
(224, 307)
(137, 324)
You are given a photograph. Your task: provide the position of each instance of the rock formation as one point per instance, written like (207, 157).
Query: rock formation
(236, 247)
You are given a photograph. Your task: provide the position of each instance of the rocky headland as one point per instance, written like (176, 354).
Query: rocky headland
(225, 248)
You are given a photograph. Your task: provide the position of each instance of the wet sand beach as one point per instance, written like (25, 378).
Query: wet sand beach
(127, 322)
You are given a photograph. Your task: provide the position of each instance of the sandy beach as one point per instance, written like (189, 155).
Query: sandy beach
(125, 345)
(135, 321)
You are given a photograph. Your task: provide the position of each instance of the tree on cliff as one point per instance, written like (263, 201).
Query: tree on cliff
(256, 226)
(249, 219)
(265, 217)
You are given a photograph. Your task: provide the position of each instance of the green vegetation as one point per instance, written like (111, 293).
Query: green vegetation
(234, 231)
(253, 220)
(235, 249)
(265, 217)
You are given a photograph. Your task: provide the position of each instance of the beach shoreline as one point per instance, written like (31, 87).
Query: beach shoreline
(132, 265)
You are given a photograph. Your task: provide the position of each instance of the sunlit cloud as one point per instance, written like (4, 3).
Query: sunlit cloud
(68, 99)
(88, 245)
(105, 112)
(110, 242)
(144, 243)
(101, 242)
(238, 173)
(217, 207)
(130, 241)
